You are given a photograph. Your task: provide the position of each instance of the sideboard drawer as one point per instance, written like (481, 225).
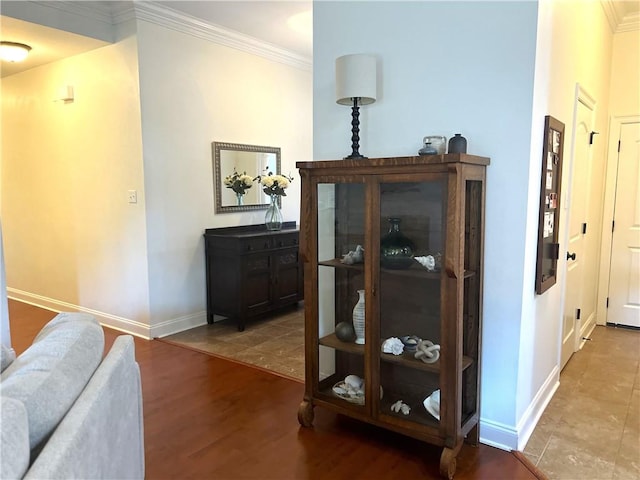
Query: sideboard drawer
(256, 244)
(285, 240)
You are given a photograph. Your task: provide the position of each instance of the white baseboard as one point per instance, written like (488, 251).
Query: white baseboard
(506, 437)
(121, 324)
(106, 319)
(536, 408)
(498, 435)
(179, 324)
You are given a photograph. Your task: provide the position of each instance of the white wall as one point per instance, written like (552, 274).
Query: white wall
(448, 67)
(208, 92)
(442, 71)
(574, 46)
(625, 74)
(624, 107)
(71, 238)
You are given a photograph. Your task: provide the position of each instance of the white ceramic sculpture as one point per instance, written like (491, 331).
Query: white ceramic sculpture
(401, 407)
(393, 345)
(354, 256)
(427, 351)
(354, 381)
(432, 404)
(428, 262)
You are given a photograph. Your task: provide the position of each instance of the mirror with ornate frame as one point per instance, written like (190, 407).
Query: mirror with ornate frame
(252, 159)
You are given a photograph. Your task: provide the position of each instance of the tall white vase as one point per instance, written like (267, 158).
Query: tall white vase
(358, 318)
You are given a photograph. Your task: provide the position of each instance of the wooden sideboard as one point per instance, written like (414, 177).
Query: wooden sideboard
(251, 271)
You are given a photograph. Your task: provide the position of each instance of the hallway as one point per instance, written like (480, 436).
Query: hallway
(591, 428)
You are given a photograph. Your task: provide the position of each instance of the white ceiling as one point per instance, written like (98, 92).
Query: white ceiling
(47, 44)
(265, 20)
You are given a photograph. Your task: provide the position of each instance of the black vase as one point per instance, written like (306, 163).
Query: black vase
(396, 250)
(457, 144)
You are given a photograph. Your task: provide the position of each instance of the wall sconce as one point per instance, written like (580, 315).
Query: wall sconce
(355, 86)
(65, 94)
(13, 52)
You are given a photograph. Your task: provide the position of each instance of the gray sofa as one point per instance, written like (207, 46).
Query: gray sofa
(67, 412)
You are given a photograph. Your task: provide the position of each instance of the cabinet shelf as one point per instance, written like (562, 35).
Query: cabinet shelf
(415, 271)
(332, 341)
(406, 359)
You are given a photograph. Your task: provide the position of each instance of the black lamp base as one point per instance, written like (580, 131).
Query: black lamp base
(355, 131)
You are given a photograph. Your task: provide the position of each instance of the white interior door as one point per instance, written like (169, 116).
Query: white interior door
(577, 263)
(624, 280)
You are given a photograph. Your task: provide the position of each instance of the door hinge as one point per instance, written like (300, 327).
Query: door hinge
(591, 137)
(584, 228)
(577, 314)
(607, 302)
(618, 146)
(613, 225)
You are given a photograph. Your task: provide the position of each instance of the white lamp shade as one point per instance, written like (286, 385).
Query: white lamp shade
(356, 78)
(14, 52)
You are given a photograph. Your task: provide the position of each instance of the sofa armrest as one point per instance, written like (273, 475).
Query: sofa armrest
(102, 436)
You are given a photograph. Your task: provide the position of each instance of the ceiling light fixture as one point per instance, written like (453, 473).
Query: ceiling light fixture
(13, 52)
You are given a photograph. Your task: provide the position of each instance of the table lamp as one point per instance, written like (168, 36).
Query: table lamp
(355, 86)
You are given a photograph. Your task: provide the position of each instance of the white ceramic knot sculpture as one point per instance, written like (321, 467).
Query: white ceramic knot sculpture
(427, 351)
(354, 256)
(393, 345)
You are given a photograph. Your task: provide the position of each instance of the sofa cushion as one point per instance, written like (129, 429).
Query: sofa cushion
(7, 355)
(14, 438)
(48, 376)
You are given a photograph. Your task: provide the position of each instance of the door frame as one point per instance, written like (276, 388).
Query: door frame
(615, 124)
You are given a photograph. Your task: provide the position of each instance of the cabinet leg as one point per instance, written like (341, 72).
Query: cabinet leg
(210, 318)
(448, 463)
(473, 438)
(305, 413)
(240, 325)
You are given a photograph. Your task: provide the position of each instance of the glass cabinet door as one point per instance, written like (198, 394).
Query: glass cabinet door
(341, 283)
(412, 219)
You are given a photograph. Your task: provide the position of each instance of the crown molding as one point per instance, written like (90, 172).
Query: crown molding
(97, 11)
(112, 13)
(630, 23)
(618, 21)
(180, 22)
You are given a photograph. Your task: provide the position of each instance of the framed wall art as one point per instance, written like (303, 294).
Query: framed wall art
(551, 181)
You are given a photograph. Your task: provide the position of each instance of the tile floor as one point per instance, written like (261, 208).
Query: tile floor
(274, 343)
(591, 428)
(589, 431)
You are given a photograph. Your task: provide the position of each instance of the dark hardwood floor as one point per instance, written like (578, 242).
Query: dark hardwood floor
(207, 417)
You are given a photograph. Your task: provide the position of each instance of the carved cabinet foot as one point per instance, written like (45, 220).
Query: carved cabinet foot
(448, 463)
(305, 413)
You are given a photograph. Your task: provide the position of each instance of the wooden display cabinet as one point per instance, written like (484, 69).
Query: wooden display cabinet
(440, 202)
